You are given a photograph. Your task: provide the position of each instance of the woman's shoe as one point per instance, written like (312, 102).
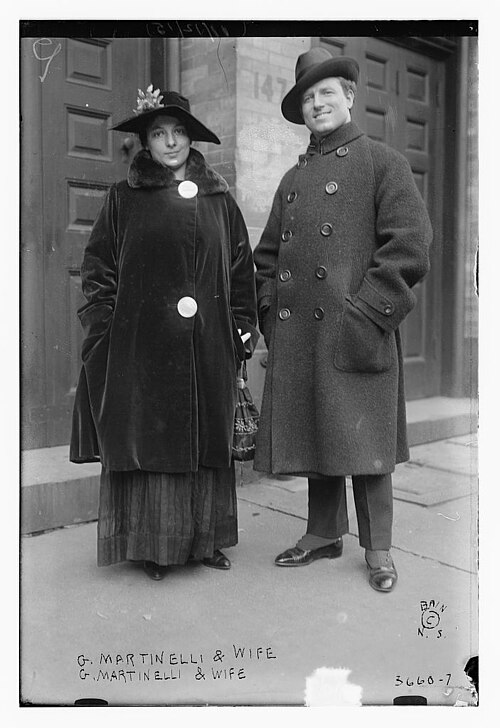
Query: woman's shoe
(154, 570)
(217, 561)
(382, 572)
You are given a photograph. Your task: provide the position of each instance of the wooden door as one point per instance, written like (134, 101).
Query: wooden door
(399, 102)
(88, 86)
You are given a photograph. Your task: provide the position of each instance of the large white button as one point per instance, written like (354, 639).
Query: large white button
(188, 189)
(187, 306)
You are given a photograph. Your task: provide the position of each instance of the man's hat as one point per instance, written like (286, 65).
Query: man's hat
(311, 67)
(151, 103)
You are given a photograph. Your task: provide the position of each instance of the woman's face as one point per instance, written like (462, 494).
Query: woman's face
(169, 143)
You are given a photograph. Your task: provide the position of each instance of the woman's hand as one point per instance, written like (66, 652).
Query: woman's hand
(245, 337)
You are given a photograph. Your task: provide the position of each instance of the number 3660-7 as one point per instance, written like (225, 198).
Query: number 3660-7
(429, 680)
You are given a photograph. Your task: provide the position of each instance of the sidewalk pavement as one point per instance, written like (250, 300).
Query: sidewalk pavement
(251, 636)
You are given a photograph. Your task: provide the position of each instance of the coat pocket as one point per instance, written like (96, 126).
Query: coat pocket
(95, 327)
(362, 346)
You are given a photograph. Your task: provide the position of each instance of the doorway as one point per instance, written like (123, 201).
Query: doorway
(400, 101)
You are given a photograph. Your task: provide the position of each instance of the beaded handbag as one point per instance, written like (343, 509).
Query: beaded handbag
(246, 420)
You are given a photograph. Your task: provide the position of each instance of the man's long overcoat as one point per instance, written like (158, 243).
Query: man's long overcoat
(347, 238)
(157, 390)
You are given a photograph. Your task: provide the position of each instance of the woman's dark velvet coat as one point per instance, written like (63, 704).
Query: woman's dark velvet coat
(157, 391)
(347, 238)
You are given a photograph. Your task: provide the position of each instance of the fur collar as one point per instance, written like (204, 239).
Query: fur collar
(145, 172)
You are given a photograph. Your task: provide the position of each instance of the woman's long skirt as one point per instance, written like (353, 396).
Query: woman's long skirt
(165, 517)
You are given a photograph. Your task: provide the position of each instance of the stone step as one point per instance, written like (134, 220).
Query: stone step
(438, 418)
(56, 493)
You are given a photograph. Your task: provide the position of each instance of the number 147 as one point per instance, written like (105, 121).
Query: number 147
(267, 86)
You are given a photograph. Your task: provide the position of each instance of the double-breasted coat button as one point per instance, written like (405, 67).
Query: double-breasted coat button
(326, 229)
(321, 272)
(285, 275)
(342, 151)
(319, 313)
(292, 196)
(331, 188)
(388, 309)
(187, 306)
(286, 235)
(284, 314)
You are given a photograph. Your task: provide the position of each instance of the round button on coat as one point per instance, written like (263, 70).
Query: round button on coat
(388, 309)
(284, 314)
(292, 196)
(326, 229)
(342, 151)
(188, 189)
(331, 188)
(285, 275)
(286, 235)
(321, 272)
(187, 306)
(319, 313)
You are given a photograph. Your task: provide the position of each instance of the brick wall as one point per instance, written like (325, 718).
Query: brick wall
(208, 79)
(266, 144)
(235, 86)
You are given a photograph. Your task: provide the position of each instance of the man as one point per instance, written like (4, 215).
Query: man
(346, 240)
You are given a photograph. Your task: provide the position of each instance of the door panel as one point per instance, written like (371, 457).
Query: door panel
(90, 85)
(398, 103)
(422, 143)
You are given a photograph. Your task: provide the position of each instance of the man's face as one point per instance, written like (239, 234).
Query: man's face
(325, 106)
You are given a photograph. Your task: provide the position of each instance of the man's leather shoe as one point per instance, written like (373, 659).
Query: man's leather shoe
(217, 561)
(300, 557)
(154, 570)
(382, 574)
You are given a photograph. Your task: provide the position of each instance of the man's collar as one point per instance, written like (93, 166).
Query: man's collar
(337, 138)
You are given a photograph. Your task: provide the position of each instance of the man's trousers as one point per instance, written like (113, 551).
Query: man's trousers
(327, 511)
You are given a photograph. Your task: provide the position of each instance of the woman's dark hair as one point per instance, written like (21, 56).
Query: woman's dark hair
(143, 134)
(143, 137)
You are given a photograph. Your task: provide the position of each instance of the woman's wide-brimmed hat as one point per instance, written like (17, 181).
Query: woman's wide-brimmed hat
(151, 103)
(310, 68)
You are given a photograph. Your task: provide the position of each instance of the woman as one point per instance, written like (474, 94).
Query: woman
(170, 314)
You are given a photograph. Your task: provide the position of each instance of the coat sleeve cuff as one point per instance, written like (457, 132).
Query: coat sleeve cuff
(380, 308)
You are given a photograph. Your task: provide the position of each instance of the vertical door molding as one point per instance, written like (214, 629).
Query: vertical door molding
(456, 235)
(32, 272)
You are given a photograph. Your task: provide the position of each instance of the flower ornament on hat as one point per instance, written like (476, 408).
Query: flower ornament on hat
(153, 102)
(149, 100)
(311, 67)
